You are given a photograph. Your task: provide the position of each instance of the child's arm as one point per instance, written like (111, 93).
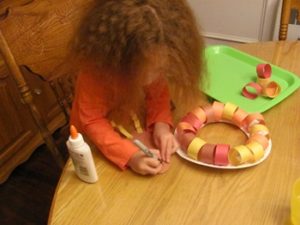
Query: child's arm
(89, 113)
(159, 117)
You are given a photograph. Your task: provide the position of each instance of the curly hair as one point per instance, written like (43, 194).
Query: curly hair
(118, 36)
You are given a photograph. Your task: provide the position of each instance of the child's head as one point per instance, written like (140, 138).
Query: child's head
(139, 39)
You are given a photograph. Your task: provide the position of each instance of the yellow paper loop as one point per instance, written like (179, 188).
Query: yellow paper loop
(194, 147)
(240, 154)
(263, 81)
(256, 149)
(229, 110)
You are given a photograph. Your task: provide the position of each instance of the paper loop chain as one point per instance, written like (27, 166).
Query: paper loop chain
(253, 125)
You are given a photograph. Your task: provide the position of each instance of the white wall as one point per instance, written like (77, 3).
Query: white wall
(236, 20)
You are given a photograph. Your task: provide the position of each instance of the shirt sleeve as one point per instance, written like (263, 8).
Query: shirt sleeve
(158, 103)
(89, 114)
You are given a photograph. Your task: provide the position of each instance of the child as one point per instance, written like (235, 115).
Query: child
(134, 56)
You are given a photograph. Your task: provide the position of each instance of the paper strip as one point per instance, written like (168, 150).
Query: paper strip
(124, 132)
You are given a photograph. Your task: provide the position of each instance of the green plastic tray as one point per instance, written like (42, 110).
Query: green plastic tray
(229, 70)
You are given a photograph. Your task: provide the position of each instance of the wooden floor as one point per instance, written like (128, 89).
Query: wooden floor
(25, 198)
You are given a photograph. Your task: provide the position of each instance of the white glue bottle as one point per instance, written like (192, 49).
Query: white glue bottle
(81, 156)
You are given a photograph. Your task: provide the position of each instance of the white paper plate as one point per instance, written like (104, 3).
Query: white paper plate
(182, 154)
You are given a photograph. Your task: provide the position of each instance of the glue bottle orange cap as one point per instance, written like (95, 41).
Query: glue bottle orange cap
(73, 132)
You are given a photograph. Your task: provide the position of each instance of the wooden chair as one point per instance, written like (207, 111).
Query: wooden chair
(287, 6)
(28, 99)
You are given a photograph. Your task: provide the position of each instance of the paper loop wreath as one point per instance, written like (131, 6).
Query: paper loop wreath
(195, 149)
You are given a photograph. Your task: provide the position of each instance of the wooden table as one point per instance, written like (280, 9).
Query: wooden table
(192, 194)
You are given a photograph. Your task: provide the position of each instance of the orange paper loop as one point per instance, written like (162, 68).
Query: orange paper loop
(239, 116)
(254, 118)
(261, 139)
(259, 129)
(210, 113)
(272, 90)
(185, 127)
(218, 109)
(199, 112)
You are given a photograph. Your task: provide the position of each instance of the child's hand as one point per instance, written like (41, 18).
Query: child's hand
(145, 165)
(165, 140)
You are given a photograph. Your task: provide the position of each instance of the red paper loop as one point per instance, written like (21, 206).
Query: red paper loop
(264, 70)
(207, 153)
(185, 139)
(251, 94)
(221, 154)
(193, 120)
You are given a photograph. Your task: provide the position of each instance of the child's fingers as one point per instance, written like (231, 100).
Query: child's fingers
(153, 166)
(164, 168)
(167, 151)
(153, 162)
(156, 153)
(154, 171)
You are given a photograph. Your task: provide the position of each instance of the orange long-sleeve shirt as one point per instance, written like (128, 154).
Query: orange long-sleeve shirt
(91, 107)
